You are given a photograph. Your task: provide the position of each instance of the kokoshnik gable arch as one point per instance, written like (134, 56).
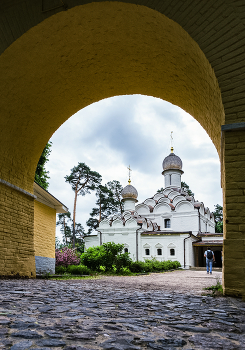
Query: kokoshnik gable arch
(82, 55)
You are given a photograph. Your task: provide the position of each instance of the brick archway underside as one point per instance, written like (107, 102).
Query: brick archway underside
(92, 52)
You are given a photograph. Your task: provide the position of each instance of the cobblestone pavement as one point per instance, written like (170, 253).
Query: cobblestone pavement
(113, 315)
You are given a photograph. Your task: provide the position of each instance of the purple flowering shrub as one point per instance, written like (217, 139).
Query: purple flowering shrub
(66, 256)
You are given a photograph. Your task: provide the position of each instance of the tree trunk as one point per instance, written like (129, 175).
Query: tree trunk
(74, 218)
(100, 212)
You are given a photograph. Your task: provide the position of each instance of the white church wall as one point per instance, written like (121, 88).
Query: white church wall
(167, 243)
(127, 236)
(175, 180)
(92, 241)
(201, 209)
(167, 180)
(190, 258)
(129, 204)
(207, 238)
(185, 222)
(206, 224)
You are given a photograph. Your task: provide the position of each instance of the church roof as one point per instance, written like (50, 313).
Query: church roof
(172, 162)
(129, 192)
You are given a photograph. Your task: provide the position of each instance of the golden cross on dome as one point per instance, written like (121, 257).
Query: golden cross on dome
(129, 169)
(171, 137)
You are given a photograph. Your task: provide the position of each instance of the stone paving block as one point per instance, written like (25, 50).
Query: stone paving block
(148, 318)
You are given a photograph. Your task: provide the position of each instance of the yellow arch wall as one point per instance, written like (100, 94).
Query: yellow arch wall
(98, 50)
(17, 256)
(89, 53)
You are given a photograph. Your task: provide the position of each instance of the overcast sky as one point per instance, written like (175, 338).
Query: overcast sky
(133, 130)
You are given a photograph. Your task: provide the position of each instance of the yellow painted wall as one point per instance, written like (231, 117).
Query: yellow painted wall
(89, 53)
(103, 49)
(16, 233)
(234, 204)
(44, 230)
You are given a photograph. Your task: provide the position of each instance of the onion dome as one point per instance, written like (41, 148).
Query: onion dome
(129, 192)
(172, 162)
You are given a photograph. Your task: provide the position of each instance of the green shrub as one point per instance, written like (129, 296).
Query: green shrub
(78, 270)
(60, 270)
(108, 255)
(153, 265)
(125, 271)
(176, 264)
(137, 266)
(109, 258)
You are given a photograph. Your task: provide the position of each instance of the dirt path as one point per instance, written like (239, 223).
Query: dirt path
(182, 281)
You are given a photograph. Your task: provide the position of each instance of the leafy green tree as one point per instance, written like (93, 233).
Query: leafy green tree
(108, 202)
(41, 174)
(218, 218)
(187, 188)
(67, 233)
(116, 188)
(82, 180)
(63, 218)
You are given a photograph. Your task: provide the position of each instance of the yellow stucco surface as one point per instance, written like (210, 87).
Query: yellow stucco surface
(16, 233)
(44, 230)
(103, 49)
(88, 53)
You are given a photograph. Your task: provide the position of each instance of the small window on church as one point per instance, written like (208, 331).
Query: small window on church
(125, 250)
(172, 251)
(159, 251)
(147, 251)
(167, 223)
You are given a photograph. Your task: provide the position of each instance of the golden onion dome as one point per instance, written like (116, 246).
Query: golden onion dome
(172, 162)
(129, 192)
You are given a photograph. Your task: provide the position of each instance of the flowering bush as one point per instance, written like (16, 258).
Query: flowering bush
(66, 256)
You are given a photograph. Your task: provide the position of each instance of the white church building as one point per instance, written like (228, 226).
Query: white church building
(171, 225)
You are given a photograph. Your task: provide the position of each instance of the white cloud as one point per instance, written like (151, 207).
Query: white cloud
(113, 133)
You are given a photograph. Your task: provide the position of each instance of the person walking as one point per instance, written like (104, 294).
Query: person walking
(209, 255)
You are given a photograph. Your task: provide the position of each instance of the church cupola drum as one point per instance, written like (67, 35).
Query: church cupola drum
(172, 170)
(129, 195)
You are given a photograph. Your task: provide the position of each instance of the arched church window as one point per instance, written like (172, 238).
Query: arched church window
(167, 223)
(147, 251)
(125, 250)
(159, 251)
(172, 251)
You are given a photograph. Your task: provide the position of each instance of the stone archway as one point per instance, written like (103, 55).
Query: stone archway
(73, 59)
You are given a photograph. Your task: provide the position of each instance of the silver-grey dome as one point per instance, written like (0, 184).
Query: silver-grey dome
(172, 162)
(129, 192)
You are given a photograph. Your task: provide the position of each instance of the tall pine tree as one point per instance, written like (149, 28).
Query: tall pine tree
(108, 202)
(82, 180)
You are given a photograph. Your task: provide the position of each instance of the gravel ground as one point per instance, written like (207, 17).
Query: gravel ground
(181, 281)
